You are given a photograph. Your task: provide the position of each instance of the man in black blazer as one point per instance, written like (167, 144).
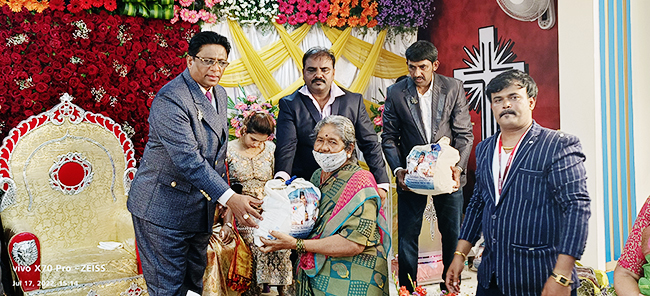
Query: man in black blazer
(319, 98)
(420, 110)
(530, 201)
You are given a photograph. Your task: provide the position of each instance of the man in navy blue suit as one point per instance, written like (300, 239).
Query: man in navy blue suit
(182, 174)
(530, 200)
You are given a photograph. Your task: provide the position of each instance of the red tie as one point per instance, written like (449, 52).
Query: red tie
(209, 95)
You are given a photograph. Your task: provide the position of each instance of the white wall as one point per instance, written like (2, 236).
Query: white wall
(640, 31)
(580, 106)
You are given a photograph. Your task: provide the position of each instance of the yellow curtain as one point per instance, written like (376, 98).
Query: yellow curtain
(256, 67)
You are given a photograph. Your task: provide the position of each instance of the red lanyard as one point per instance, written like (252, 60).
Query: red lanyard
(505, 172)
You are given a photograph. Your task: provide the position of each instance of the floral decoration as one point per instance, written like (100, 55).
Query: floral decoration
(298, 12)
(192, 11)
(242, 107)
(353, 13)
(417, 291)
(377, 116)
(404, 13)
(111, 64)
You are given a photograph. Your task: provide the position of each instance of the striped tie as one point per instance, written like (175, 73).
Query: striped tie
(209, 95)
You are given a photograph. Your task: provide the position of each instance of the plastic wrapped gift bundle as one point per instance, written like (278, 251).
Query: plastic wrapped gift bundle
(429, 168)
(289, 208)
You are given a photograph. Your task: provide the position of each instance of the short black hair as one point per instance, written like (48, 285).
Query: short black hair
(422, 50)
(206, 37)
(515, 77)
(316, 52)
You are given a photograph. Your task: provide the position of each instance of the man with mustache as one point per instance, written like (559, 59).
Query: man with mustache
(530, 200)
(317, 99)
(420, 110)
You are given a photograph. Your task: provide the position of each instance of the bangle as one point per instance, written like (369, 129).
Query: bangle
(300, 246)
(462, 254)
(561, 279)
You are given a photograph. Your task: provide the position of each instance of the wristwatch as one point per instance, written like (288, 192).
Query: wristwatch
(562, 280)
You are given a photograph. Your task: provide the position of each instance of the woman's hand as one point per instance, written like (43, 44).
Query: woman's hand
(282, 242)
(226, 234)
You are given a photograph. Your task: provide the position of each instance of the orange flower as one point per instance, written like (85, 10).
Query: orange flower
(16, 6)
(341, 22)
(363, 21)
(365, 3)
(354, 3)
(334, 9)
(353, 21)
(403, 291)
(372, 23)
(345, 11)
(332, 21)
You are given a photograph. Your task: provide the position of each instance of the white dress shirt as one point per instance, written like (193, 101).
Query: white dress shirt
(499, 169)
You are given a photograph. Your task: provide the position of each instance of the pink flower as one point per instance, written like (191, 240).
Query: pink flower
(238, 133)
(212, 18)
(185, 14)
(251, 98)
(322, 17)
(241, 106)
(185, 3)
(378, 121)
(234, 122)
(281, 19)
(302, 6)
(381, 108)
(324, 7)
(301, 17)
(292, 20)
(204, 15)
(256, 107)
(210, 3)
(312, 6)
(292, 1)
(175, 19)
(312, 19)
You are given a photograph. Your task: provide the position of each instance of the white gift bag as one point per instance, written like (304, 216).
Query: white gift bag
(429, 168)
(290, 209)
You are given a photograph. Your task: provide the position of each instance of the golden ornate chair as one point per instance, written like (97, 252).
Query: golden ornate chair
(66, 174)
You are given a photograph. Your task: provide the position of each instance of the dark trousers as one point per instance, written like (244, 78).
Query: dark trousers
(410, 208)
(173, 261)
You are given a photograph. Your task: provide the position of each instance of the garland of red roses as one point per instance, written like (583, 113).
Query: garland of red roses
(111, 64)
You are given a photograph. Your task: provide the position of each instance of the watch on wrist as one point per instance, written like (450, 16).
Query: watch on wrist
(561, 279)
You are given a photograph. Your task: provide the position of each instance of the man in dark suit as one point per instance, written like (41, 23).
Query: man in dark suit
(317, 99)
(420, 110)
(182, 173)
(530, 200)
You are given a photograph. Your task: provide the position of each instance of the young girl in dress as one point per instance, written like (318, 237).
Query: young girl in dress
(250, 163)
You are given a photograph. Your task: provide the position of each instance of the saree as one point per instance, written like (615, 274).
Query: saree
(350, 207)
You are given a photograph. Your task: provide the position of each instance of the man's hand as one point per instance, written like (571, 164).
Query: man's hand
(382, 194)
(243, 208)
(553, 288)
(453, 274)
(400, 179)
(455, 175)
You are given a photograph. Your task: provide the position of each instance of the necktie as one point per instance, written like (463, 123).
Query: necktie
(209, 95)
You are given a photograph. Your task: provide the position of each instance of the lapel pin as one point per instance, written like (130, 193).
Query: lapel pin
(414, 100)
(200, 115)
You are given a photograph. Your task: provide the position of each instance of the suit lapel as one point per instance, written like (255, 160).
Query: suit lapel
(488, 159)
(525, 147)
(413, 102)
(310, 107)
(335, 106)
(204, 108)
(438, 96)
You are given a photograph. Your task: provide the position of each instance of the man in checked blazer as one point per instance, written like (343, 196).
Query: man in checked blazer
(420, 110)
(182, 174)
(530, 200)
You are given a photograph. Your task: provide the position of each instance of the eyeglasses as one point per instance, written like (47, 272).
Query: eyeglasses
(211, 62)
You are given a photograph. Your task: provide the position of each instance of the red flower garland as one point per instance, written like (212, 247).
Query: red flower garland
(113, 65)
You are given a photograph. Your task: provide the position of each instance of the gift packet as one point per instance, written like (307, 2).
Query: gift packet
(429, 168)
(289, 207)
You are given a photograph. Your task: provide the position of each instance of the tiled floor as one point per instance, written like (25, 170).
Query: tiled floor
(468, 286)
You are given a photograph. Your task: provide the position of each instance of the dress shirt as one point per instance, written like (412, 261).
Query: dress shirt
(500, 169)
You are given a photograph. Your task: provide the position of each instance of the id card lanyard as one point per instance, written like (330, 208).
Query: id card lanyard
(502, 177)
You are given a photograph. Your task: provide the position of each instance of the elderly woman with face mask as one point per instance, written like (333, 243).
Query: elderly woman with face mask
(347, 249)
